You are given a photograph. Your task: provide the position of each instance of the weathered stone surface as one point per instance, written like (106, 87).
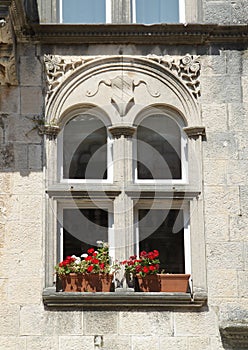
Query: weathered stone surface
(169, 343)
(223, 283)
(202, 343)
(214, 117)
(195, 324)
(243, 284)
(27, 184)
(238, 116)
(31, 208)
(217, 228)
(225, 255)
(237, 172)
(145, 342)
(3, 290)
(222, 199)
(9, 99)
(100, 323)
(30, 71)
(22, 290)
(76, 342)
(9, 324)
(31, 100)
(35, 157)
(217, 13)
(42, 343)
(215, 172)
(244, 84)
(238, 227)
(239, 12)
(149, 324)
(220, 145)
(13, 343)
(116, 342)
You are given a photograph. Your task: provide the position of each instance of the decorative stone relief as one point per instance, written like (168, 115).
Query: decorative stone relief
(186, 68)
(7, 55)
(123, 92)
(59, 68)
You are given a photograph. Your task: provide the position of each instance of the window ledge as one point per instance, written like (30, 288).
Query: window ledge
(104, 301)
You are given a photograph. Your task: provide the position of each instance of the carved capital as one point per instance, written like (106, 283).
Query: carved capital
(51, 131)
(195, 131)
(125, 130)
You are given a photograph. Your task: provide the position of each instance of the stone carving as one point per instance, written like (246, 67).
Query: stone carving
(186, 68)
(58, 68)
(6, 156)
(123, 92)
(7, 55)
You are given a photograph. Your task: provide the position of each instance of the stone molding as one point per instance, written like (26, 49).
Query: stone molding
(125, 130)
(235, 333)
(195, 131)
(186, 69)
(51, 131)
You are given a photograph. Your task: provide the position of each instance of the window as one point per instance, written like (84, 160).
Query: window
(85, 11)
(132, 11)
(156, 11)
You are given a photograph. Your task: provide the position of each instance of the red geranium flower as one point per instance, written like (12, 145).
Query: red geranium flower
(90, 268)
(90, 251)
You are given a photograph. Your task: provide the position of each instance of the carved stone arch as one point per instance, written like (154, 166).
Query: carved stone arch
(122, 85)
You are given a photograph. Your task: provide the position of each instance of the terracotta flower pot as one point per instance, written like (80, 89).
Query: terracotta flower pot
(86, 282)
(164, 283)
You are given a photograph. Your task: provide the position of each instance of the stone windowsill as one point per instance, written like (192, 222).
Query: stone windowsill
(110, 300)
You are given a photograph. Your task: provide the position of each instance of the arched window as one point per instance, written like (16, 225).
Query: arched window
(85, 148)
(160, 149)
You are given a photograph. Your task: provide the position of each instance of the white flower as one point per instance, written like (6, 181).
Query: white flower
(84, 255)
(77, 259)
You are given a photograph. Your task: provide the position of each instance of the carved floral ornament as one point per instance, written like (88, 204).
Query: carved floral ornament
(59, 68)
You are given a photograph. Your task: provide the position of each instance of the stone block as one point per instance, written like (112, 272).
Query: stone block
(244, 84)
(238, 116)
(22, 289)
(9, 315)
(76, 343)
(237, 172)
(217, 228)
(32, 101)
(25, 235)
(222, 283)
(214, 117)
(30, 71)
(234, 61)
(28, 184)
(9, 99)
(215, 172)
(201, 343)
(42, 343)
(243, 283)
(35, 321)
(239, 12)
(22, 130)
(228, 256)
(242, 139)
(217, 344)
(152, 323)
(195, 323)
(98, 323)
(219, 13)
(169, 343)
(233, 310)
(239, 227)
(3, 290)
(35, 157)
(245, 62)
(246, 255)
(145, 342)
(220, 145)
(213, 64)
(31, 208)
(116, 342)
(13, 343)
(244, 198)
(222, 200)
(5, 183)
(221, 89)
(21, 156)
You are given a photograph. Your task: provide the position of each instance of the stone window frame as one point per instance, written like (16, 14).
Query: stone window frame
(190, 193)
(121, 11)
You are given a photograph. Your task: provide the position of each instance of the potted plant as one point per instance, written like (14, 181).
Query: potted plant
(146, 269)
(92, 272)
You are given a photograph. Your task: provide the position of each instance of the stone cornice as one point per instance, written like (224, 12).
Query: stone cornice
(137, 33)
(235, 333)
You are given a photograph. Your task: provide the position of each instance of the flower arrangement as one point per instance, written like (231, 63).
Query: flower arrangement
(146, 264)
(94, 261)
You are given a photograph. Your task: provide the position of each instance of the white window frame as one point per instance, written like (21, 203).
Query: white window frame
(181, 11)
(108, 13)
(70, 204)
(184, 146)
(167, 205)
(60, 151)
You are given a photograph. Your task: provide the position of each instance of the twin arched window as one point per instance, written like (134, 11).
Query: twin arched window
(159, 151)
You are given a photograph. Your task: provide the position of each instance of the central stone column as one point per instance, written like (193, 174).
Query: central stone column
(123, 204)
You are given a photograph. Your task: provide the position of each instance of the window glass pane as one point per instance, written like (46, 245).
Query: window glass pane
(159, 148)
(83, 11)
(85, 148)
(82, 228)
(157, 11)
(163, 230)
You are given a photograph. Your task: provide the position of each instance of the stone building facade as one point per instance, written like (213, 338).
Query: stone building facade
(194, 77)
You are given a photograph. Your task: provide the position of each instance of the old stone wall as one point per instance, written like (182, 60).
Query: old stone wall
(25, 323)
